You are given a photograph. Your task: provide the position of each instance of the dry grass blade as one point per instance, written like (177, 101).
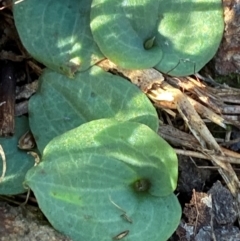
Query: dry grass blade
(207, 113)
(192, 119)
(204, 156)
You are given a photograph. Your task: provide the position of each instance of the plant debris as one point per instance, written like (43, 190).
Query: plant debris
(210, 216)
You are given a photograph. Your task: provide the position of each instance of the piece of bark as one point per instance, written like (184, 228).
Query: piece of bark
(227, 58)
(7, 98)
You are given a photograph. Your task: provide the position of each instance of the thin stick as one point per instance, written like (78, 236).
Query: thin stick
(27, 198)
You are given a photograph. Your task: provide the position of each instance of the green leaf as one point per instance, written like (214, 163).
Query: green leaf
(188, 33)
(121, 28)
(130, 142)
(62, 104)
(18, 162)
(57, 33)
(90, 176)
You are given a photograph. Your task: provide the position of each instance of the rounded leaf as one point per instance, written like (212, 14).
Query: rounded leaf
(133, 143)
(93, 186)
(57, 33)
(62, 104)
(122, 30)
(177, 37)
(189, 33)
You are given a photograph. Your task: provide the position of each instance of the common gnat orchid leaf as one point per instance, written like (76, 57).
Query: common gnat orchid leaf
(121, 28)
(67, 35)
(186, 33)
(113, 182)
(62, 104)
(57, 33)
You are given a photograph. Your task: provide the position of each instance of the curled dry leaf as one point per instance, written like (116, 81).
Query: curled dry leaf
(27, 142)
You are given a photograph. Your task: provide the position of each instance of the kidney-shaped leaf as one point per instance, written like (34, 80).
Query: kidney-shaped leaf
(103, 184)
(18, 162)
(57, 33)
(62, 104)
